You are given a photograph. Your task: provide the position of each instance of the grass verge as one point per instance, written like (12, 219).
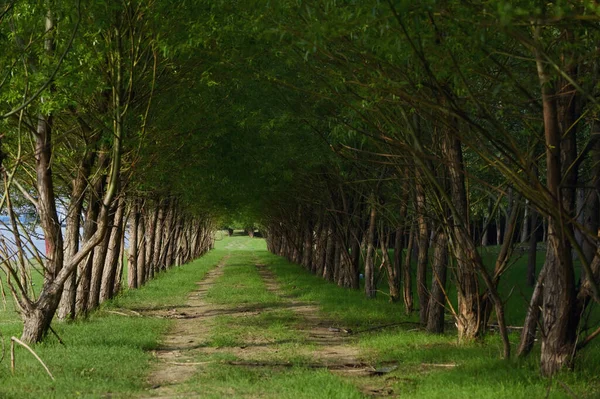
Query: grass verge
(109, 353)
(433, 366)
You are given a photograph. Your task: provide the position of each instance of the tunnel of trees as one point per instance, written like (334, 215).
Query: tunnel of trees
(341, 130)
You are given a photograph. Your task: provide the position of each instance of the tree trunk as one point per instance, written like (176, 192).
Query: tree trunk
(329, 253)
(150, 239)
(355, 259)
(121, 259)
(559, 303)
(98, 268)
(422, 258)
(370, 289)
(307, 254)
(158, 237)
(132, 270)
(466, 256)
(407, 286)
(84, 269)
(38, 317)
(112, 256)
(532, 255)
(338, 272)
(141, 256)
(486, 224)
(393, 272)
(437, 300)
(533, 315)
(526, 223)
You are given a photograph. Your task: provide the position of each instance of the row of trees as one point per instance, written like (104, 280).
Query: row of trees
(446, 118)
(336, 124)
(87, 96)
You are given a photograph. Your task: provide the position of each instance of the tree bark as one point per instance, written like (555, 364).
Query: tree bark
(67, 309)
(329, 254)
(467, 290)
(407, 286)
(392, 271)
(423, 254)
(355, 259)
(98, 267)
(132, 270)
(158, 237)
(559, 297)
(112, 256)
(370, 289)
(437, 299)
(150, 239)
(141, 247)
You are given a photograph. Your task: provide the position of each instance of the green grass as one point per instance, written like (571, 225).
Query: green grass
(296, 383)
(240, 284)
(107, 354)
(435, 366)
(110, 354)
(266, 331)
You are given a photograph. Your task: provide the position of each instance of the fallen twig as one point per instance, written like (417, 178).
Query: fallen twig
(134, 313)
(382, 327)
(447, 365)
(12, 355)
(57, 337)
(190, 363)
(119, 313)
(567, 389)
(306, 365)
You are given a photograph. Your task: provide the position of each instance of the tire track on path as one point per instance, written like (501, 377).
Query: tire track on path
(186, 337)
(333, 349)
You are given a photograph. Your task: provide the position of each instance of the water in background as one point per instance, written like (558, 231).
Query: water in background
(36, 236)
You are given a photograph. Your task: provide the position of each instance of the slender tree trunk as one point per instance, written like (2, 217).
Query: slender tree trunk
(308, 245)
(322, 250)
(67, 309)
(141, 256)
(466, 257)
(423, 255)
(486, 224)
(132, 269)
(98, 267)
(355, 259)
(158, 237)
(120, 260)
(37, 318)
(338, 272)
(407, 286)
(533, 315)
(437, 300)
(370, 289)
(150, 239)
(329, 254)
(532, 255)
(112, 256)
(526, 222)
(559, 296)
(84, 270)
(392, 271)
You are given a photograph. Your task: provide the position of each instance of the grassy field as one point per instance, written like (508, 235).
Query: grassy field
(435, 366)
(107, 354)
(110, 354)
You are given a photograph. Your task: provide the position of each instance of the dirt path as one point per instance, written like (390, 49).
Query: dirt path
(332, 344)
(175, 355)
(314, 339)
